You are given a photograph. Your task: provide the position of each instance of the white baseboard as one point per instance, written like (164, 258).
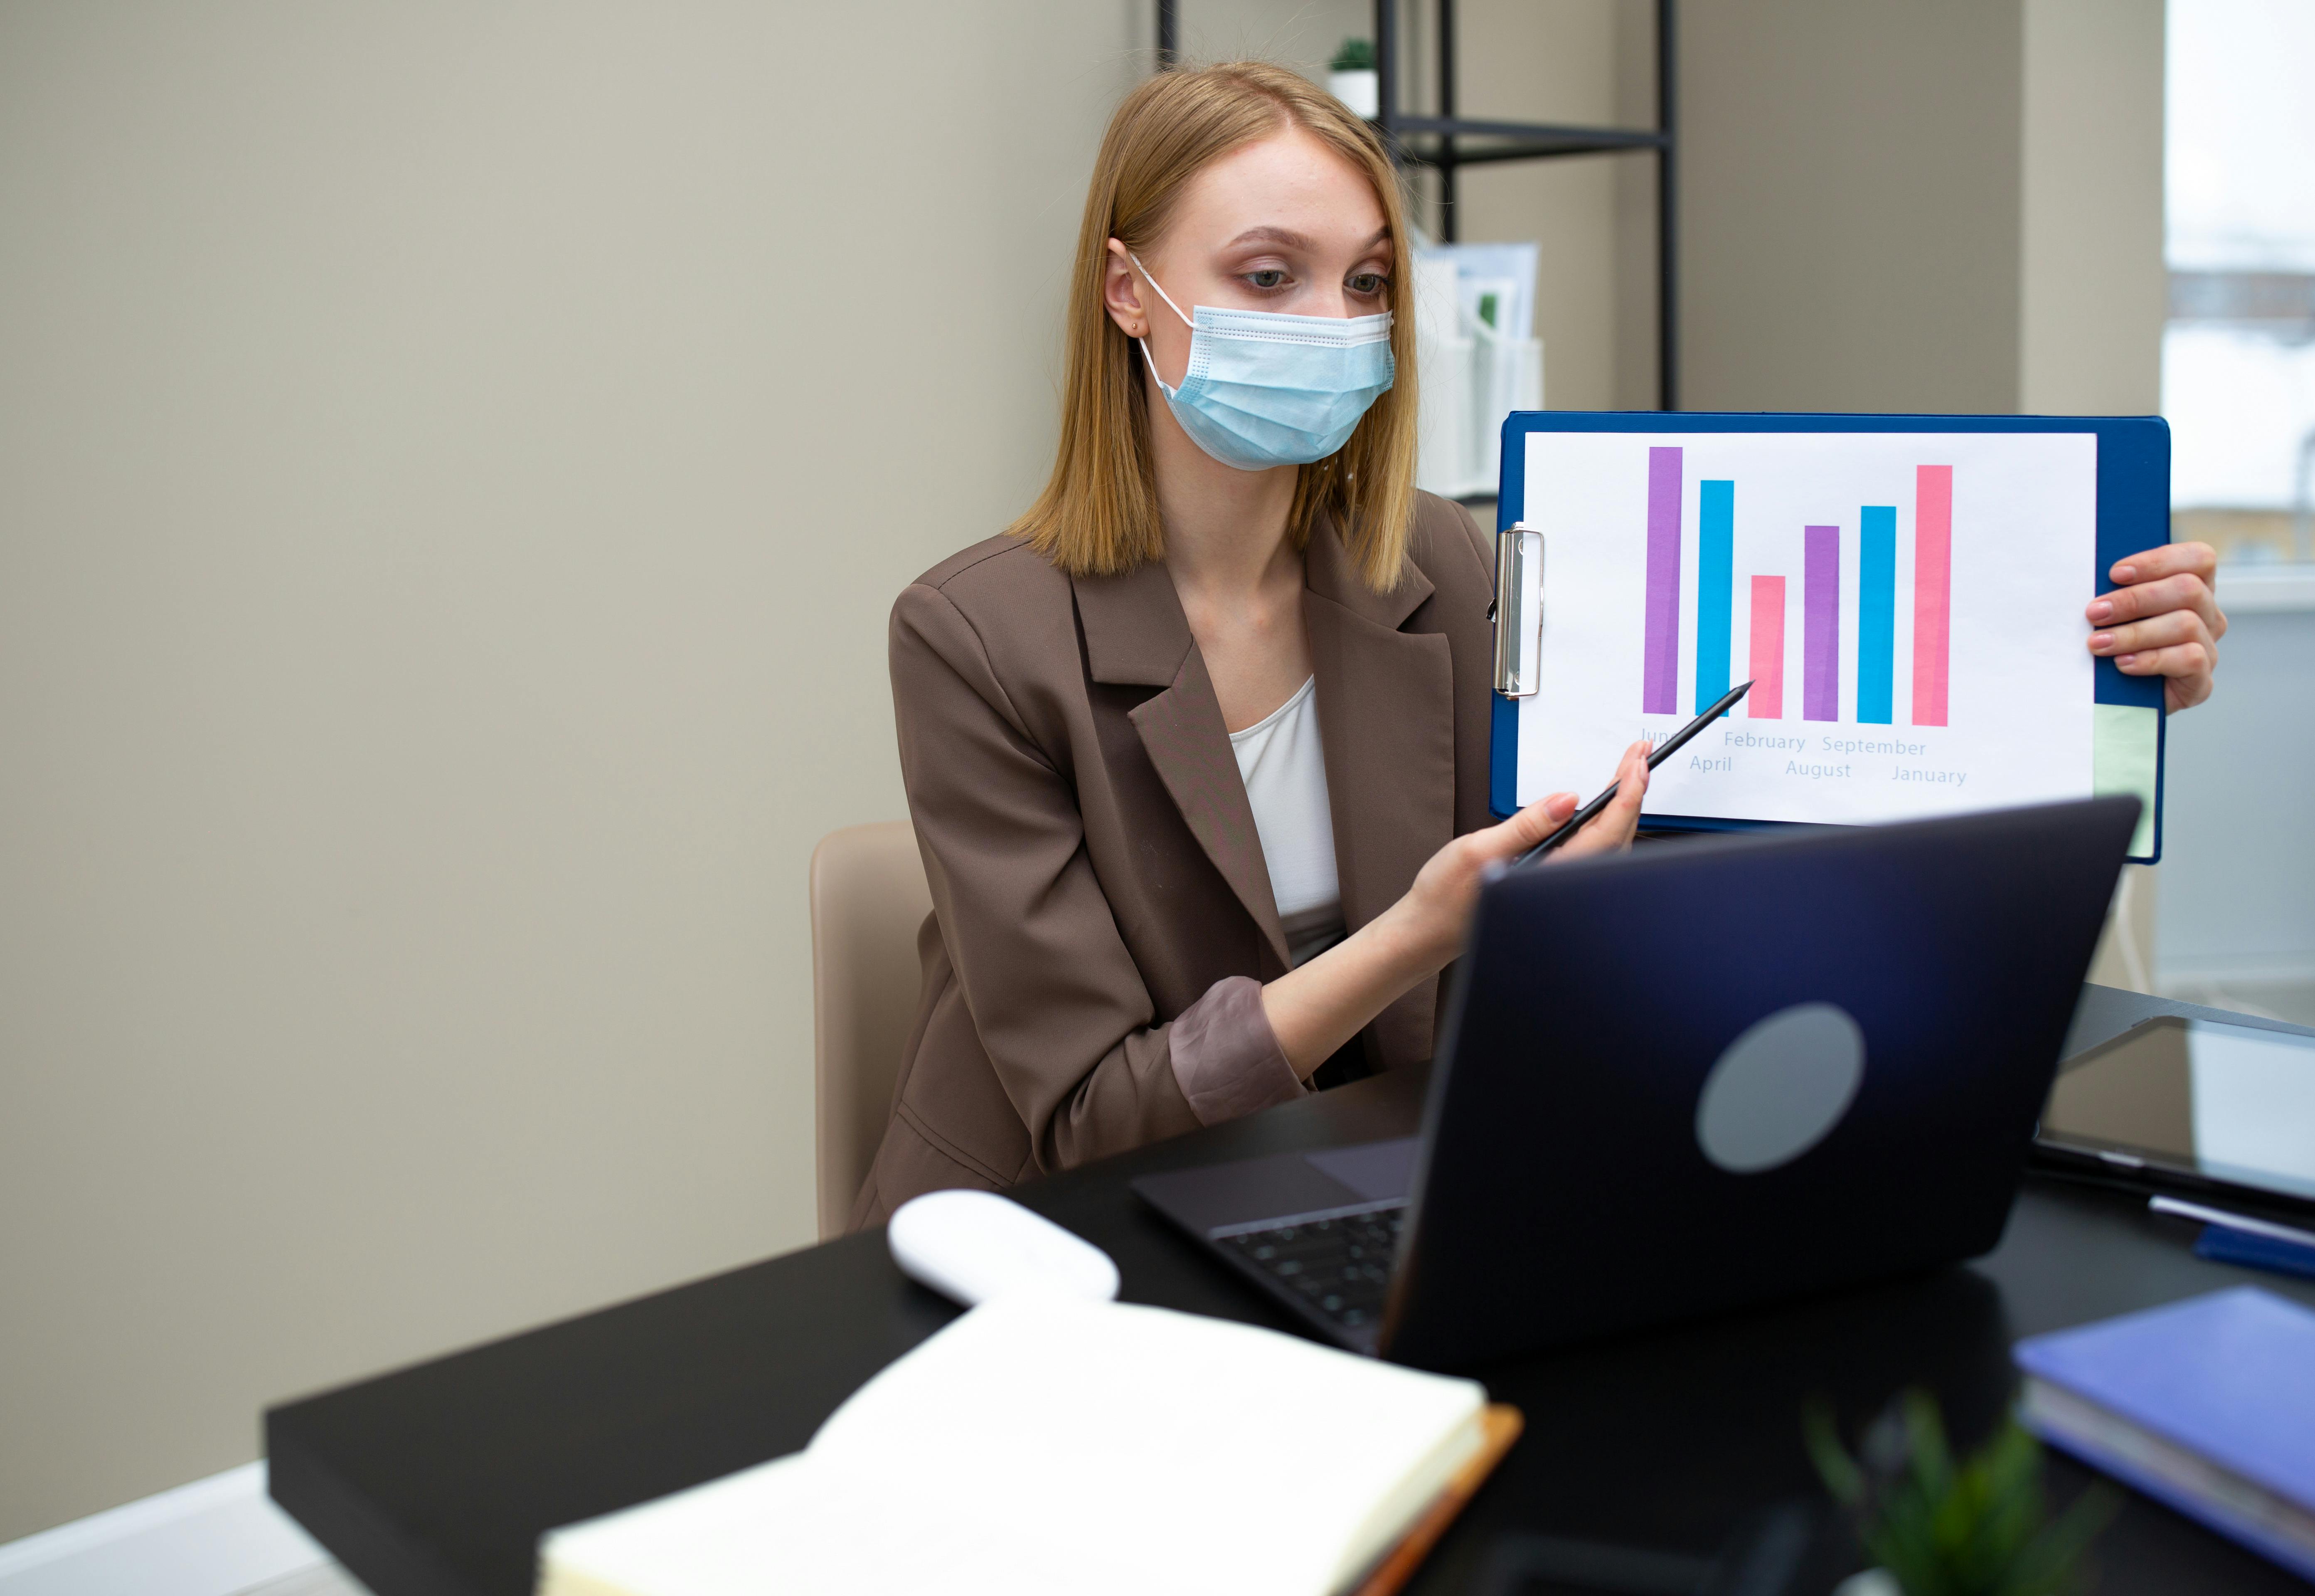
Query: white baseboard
(2182, 978)
(2273, 970)
(217, 1537)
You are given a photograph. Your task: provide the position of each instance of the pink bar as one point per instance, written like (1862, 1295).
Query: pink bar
(1932, 591)
(1766, 701)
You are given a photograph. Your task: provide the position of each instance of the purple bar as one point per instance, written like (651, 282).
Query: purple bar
(1660, 666)
(1821, 625)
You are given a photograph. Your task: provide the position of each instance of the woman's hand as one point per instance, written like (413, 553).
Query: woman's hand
(2163, 619)
(1318, 1008)
(1438, 905)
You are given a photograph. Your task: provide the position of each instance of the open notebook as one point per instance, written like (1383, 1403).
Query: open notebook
(1038, 1445)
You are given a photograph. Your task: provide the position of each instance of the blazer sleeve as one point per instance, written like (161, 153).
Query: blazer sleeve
(1056, 1000)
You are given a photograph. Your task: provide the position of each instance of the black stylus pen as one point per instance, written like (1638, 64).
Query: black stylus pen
(1663, 751)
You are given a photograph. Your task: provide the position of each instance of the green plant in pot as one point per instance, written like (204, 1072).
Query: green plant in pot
(1351, 78)
(1939, 1526)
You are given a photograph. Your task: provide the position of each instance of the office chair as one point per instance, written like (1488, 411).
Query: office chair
(868, 900)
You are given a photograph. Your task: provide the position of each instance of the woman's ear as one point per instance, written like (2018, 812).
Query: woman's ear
(1121, 293)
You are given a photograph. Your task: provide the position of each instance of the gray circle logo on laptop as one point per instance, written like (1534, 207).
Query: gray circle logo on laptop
(1780, 1087)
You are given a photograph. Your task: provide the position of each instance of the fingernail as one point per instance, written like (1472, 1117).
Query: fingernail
(2101, 640)
(2102, 611)
(2125, 660)
(2125, 573)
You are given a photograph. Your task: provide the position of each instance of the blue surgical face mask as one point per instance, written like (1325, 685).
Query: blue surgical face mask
(1265, 390)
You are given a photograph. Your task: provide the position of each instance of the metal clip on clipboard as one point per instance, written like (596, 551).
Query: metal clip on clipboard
(1518, 611)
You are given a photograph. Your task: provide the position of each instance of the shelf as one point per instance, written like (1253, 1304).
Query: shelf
(1528, 140)
(1438, 144)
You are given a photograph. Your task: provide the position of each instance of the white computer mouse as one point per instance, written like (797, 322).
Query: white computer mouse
(973, 1246)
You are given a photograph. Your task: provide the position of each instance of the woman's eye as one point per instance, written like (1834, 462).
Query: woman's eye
(1369, 283)
(1267, 277)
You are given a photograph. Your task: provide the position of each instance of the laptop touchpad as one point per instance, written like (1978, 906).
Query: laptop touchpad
(1374, 1170)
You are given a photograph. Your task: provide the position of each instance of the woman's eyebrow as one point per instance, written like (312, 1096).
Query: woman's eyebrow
(1283, 238)
(1287, 239)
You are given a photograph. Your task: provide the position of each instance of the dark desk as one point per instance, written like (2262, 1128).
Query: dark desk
(439, 1479)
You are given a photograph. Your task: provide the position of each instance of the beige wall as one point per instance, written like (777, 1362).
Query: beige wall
(1891, 206)
(455, 463)
(1895, 206)
(2093, 289)
(1850, 199)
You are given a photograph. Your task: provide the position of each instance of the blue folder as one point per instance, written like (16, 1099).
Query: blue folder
(2227, 1379)
(2134, 514)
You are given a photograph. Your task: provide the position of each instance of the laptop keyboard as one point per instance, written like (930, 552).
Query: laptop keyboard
(1340, 1267)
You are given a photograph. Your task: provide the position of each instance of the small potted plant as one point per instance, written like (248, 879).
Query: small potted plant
(1351, 77)
(1936, 1526)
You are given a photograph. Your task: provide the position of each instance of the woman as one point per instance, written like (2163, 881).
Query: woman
(1197, 751)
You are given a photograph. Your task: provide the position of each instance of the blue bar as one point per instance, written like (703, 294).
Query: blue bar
(1876, 614)
(1716, 590)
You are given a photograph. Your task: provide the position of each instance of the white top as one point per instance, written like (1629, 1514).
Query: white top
(1283, 765)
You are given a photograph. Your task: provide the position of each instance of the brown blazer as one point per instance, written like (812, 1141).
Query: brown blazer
(1094, 862)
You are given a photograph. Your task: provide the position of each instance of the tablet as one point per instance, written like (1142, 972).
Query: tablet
(2190, 1104)
(1904, 593)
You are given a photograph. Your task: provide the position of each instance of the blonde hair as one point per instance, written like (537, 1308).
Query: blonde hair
(1098, 514)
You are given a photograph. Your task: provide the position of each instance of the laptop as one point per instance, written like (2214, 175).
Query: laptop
(1694, 1077)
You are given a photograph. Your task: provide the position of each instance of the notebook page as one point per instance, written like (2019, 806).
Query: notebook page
(1049, 1446)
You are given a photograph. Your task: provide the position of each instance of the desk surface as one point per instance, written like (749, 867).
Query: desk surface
(438, 1479)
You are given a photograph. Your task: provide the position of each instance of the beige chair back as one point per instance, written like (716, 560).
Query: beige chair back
(868, 900)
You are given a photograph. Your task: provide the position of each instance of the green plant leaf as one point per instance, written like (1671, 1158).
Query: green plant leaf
(2052, 1564)
(1925, 1432)
(1943, 1526)
(1834, 1466)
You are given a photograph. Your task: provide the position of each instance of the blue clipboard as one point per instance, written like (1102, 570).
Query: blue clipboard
(2134, 514)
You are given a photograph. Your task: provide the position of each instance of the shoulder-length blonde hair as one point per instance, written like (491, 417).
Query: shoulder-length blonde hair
(1098, 514)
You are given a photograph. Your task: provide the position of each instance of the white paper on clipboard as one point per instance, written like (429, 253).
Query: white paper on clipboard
(1910, 603)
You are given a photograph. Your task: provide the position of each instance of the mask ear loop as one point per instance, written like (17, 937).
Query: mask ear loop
(1146, 357)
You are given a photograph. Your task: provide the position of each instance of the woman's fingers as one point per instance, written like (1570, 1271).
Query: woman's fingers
(2163, 620)
(1530, 826)
(2188, 666)
(2161, 596)
(2169, 560)
(2176, 576)
(1612, 828)
(2162, 630)
(1621, 817)
(1539, 820)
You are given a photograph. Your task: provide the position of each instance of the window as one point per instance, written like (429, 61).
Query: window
(2239, 354)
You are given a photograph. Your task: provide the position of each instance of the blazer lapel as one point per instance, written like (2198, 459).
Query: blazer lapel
(1136, 634)
(1387, 714)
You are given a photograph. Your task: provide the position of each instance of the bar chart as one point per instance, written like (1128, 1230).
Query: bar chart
(1874, 658)
(1908, 606)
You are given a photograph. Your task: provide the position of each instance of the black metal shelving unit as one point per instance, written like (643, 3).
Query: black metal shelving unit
(1447, 143)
